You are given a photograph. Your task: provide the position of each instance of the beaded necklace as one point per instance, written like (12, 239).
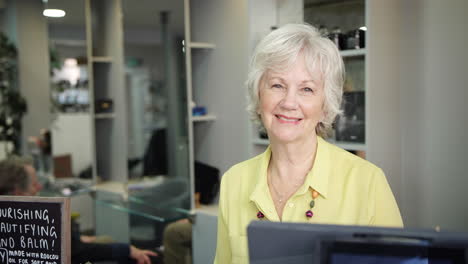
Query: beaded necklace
(308, 213)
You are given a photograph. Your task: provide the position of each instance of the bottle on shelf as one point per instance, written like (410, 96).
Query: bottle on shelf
(338, 38)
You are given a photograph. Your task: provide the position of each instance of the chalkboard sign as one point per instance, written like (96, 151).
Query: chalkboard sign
(34, 230)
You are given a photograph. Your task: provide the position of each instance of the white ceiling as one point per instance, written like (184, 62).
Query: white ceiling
(136, 13)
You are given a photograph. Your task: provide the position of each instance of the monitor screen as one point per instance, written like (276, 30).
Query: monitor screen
(273, 242)
(349, 252)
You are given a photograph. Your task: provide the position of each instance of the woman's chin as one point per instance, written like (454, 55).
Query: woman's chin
(285, 138)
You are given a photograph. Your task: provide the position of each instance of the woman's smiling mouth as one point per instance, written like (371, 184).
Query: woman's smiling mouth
(287, 119)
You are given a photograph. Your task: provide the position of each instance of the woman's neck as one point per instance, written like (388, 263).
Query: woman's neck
(292, 161)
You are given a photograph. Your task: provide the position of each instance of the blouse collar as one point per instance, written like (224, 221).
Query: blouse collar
(317, 178)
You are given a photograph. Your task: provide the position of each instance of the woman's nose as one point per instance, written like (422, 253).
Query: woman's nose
(289, 101)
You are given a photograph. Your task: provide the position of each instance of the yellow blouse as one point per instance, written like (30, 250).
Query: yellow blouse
(352, 191)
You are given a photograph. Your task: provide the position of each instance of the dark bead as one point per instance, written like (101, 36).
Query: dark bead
(260, 215)
(312, 204)
(309, 214)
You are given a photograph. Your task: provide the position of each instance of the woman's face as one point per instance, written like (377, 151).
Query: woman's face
(291, 102)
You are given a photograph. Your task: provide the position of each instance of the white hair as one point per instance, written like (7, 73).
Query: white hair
(279, 50)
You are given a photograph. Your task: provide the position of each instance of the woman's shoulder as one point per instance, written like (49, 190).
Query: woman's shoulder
(246, 166)
(348, 169)
(239, 181)
(348, 160)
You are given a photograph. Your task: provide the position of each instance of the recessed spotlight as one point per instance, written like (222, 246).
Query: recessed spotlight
(70, 62)
(363, 28)
(53, 13)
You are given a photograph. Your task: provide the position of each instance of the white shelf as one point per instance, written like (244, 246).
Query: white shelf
(104, 116)
(261, 141)
(211, 209)
(69, 42)
(344, 145)
(202, 118)
(353, 146)
(353, 53)
(202, 45)
(102, 59)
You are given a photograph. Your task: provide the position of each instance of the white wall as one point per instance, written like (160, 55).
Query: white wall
(416, 106)
(434, 116)
(218, 81)
(71, 134)
(382, 90)
(290, 11)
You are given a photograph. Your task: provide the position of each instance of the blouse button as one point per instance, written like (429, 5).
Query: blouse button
(291, 204)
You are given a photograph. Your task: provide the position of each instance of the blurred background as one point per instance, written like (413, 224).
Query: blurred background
(139, 99)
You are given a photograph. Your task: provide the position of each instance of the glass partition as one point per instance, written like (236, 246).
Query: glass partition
(137, 217)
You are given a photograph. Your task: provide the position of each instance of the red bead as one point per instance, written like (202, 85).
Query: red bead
(309, 214)
(260, 215)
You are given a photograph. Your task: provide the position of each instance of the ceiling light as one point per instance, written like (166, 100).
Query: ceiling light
(363, 28)
(53, 13)
(71, 62)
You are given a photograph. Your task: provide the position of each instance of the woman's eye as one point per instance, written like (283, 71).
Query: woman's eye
(308, 90)
(277, 85)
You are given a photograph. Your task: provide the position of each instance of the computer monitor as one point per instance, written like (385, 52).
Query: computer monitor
(300, 243)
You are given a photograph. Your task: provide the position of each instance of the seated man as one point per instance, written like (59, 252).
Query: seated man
(18, 177)
(177, 239)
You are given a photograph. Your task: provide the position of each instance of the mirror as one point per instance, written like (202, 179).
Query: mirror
(155, 85)
(155, 96)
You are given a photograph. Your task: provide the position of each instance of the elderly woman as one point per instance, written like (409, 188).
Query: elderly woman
(295, 91)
